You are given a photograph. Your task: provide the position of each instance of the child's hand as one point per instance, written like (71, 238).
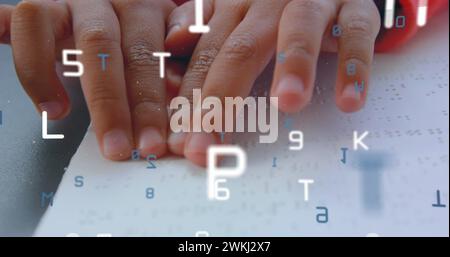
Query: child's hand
(305, 29)
(243, 38)
(127, 101)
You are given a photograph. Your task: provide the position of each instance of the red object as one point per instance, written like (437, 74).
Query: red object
(393, 38)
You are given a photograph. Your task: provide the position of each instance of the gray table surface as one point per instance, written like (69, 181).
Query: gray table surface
(30, 165)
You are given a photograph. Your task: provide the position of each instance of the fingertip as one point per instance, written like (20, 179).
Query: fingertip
(291, 93)
(196, 147)
(55, 110)
(116, 145)
(151, 141)
(176, 142)
(350, 99)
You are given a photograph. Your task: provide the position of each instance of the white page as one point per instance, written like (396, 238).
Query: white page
(406, 115)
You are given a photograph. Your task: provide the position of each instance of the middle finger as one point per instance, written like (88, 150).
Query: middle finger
(143, 31)
(97, 31)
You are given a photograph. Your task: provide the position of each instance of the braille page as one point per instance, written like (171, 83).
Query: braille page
(399, 187)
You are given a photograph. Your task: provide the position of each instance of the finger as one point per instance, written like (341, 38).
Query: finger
(361, 23)
(60, 18)
(5, 23)
(176, 68)
(34, 32)
(97, 31)
(244, 54)
(179, 41)
(146, 90)
(195, 146)
(242, 58)
(298, 50)
(222, 25)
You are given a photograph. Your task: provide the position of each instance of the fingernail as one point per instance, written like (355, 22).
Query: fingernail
(151, 141)
(176, 142)
(290, 93)
(351, 92)
(196, 147)
(173, 29)
(54, 109)
(199, 142)
(116, 144)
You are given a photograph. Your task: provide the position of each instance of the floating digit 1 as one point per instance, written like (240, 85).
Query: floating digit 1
(199, 26)
(422, 13)
(389, 14)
